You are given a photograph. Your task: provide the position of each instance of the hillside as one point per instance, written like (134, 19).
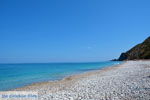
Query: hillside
(140, 51)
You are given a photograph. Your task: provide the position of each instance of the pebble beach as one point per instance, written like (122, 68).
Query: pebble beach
(127, 81)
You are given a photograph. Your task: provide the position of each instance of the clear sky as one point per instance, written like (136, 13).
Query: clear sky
(70, 30)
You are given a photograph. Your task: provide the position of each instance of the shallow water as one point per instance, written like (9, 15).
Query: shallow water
(18, 75)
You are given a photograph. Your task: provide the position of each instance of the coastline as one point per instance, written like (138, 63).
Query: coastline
(127, 81)
(44, 72)
(69, 78)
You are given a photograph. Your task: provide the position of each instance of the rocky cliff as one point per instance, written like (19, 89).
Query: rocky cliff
(140, 51)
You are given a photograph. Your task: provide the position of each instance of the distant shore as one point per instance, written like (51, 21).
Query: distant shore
(130, 80)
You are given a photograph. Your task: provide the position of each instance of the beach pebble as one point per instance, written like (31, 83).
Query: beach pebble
(128, 81)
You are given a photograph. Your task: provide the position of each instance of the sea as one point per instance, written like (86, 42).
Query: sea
(18, 75)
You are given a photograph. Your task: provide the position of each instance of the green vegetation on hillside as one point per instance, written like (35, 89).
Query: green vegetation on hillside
(140, 51)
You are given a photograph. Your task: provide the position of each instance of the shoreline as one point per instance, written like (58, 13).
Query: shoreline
(67, 78)
(127, 81)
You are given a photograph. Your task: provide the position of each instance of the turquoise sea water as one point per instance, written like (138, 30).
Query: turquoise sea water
(18, 75)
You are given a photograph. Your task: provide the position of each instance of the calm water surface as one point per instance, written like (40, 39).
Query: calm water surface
(18, 75)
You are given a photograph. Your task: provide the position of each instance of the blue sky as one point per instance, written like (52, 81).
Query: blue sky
(70, 30)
